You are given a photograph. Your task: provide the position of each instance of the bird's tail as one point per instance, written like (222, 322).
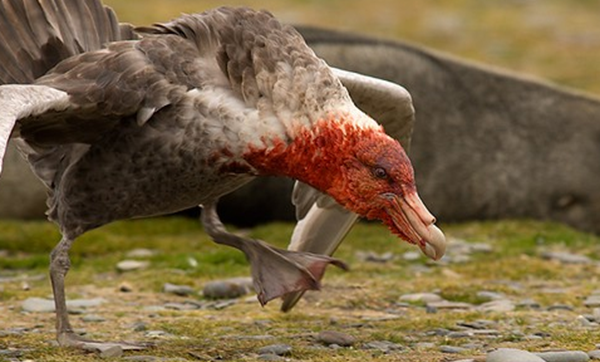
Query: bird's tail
(35, 35)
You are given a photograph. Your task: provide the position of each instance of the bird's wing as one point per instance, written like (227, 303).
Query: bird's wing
(26, 101)
(323, 223)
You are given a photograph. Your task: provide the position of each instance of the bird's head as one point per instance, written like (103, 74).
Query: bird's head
(377, 182)
(364, 170)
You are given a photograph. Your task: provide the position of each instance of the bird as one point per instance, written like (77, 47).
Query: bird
(123, 122)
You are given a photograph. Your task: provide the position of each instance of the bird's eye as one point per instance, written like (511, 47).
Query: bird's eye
(380, 172)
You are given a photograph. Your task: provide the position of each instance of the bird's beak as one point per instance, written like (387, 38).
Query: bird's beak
(412, 219)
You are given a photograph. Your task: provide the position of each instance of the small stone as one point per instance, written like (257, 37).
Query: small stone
(593, 301)
(113, 351)
(181, 290)
(181, 306)
(528, 303)
(131, 265)
(411, 256)
(595, 355)
(373, 257)
(276, 349)
(566, 258)
(502, 306)
(425, 345)
(333, 337)
(512, 355)
(452, 349)
(228, 288)
(383, 346)
(139, 326)
(38, 305)
(92, 318)
(125, 287)
(421, 298)
(564, 307)
(459, 335)
(487, 295)
(141, 253)
(564, 356)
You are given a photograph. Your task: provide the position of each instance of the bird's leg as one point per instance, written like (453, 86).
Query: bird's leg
(275, 272)
(60, 264)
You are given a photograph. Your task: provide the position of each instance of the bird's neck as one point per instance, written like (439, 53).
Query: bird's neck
(317, 155)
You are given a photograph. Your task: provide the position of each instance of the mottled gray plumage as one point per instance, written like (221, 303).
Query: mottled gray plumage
(120, 122)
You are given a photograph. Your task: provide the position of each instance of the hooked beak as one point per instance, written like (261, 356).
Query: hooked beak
(412, 218)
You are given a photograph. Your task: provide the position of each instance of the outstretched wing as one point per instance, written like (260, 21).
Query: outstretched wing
(323, 223)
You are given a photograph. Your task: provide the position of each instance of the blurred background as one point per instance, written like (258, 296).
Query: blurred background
(555, 39)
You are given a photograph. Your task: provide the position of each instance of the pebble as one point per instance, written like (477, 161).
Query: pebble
(512, 355)
(270, 357)
(564, 356)
(42, 305)
(276, 349)
(125, 287)
(227, 288)
(92, 318)
(181, 290)
(560, 307)
(111, 352)
(489, 296)
(421, 298)
(141, 253)
(336, 338)
(452, 349)
(411, 256)
(593, 301)
(528, 303)
(383, 346)
(566, 258)
(595, 355)
(373, 257)
(502, 305)
(131, 265)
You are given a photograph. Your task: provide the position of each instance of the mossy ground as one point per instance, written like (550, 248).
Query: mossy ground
(361, 302)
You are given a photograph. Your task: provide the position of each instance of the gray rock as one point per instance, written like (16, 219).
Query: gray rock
(373, 257)
(383, 346)
(92, 318)
(592, 301)
(595, 354)
(452, 349)
(131, 265)
(114, 351)
(501, 306)
(421, 297)
(488, 295)
(181, 306)
(227, 288)
(564, 307)
(528, 303)
(512, 355)
(276, 349)
(181, 290)
(566, 258)
(41, 305)
(338, 338)
(564, 356)
(142, 358)
(412, 256)
(140, 253)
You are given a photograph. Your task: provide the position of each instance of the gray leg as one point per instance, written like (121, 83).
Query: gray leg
(59, 266)
(275, 272)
